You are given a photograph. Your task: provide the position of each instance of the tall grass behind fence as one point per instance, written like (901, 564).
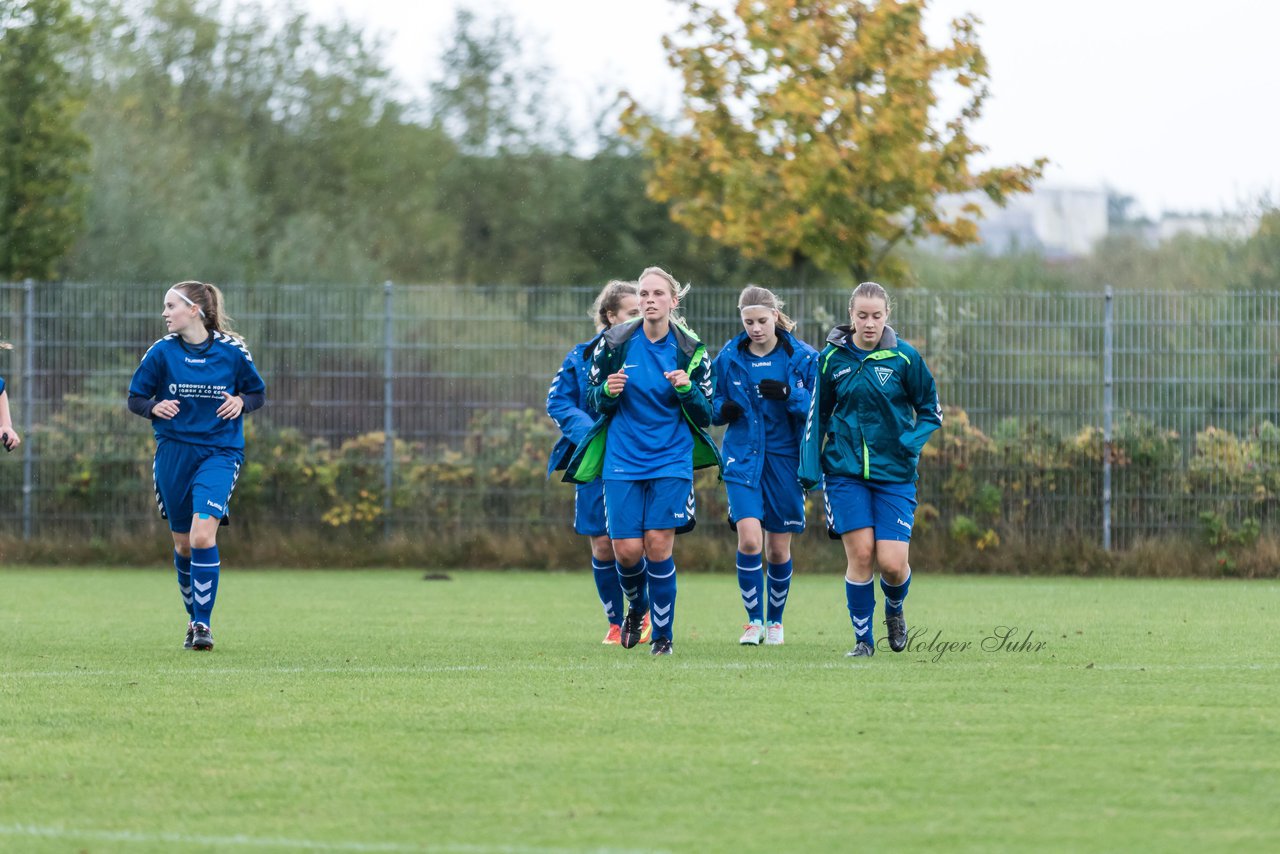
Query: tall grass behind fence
(396, 409)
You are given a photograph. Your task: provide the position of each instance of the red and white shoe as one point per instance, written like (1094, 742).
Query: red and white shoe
(614, 638)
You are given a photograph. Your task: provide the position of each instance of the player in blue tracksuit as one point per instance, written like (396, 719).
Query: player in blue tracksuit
(8, 435)
(874, 407)
(567, 405)
(196, 384)
(763, 381)
(651, 382)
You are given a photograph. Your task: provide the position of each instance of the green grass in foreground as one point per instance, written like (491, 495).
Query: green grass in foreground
(376, 711)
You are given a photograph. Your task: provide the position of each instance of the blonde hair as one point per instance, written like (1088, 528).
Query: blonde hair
(609, 300)
(755, 296)
(870, 290)
(677, 290)
(208, 298)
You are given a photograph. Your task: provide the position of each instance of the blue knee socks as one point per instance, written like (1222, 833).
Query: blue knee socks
(662, 596)
(204, 583)
(779, 587)
(861, 597)
(606, 575)
(750, 585)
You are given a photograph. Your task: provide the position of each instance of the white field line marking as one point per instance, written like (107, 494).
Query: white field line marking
(987, 660)
(239, 840)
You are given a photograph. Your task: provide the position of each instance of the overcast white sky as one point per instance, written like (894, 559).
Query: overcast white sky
(1171, 101)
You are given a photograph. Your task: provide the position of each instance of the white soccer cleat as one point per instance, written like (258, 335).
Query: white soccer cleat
(752, 635)
(773, 634)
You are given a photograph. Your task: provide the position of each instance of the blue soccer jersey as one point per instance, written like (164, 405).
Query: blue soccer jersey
(197, 375)
(647, 436)
(781, 434)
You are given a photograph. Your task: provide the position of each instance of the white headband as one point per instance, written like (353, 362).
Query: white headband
(180, 295)
(743, 308)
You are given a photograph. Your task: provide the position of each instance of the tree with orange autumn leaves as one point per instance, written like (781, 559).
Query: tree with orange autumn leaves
(810, 133)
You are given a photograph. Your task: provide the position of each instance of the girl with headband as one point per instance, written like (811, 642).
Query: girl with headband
(195, 385)
(763, 380)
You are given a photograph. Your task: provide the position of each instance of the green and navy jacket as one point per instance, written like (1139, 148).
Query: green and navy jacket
(870, 416)
(743, 447)
(695, 401)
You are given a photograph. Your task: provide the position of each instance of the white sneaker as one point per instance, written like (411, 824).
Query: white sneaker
(753, 634)
(773, 634)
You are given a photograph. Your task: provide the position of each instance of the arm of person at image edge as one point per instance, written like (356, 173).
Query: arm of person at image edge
(821, 404)
(564, 399)
(10, 436)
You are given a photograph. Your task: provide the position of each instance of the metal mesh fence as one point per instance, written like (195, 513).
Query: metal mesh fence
(390, 407)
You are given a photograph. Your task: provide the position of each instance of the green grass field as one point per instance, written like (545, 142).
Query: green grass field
(379, 712)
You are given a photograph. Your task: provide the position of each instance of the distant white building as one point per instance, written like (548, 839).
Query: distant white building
(1058, 222)
(1223, 226)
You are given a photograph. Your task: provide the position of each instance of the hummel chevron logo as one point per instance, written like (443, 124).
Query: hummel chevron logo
(746, 593)
(750, 603)
(203, 600)
(662, 624)
(777, 600)
(861, 624)
(203, 587)
(660, 611)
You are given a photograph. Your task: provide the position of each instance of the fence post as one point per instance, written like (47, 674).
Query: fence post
(28, 401)
(388, 403)
(1107, 365)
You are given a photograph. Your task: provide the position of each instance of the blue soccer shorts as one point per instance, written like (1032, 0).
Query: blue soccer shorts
(777, 501)
(635, 506)
(192, 479)
(853, 504)
(588, 510)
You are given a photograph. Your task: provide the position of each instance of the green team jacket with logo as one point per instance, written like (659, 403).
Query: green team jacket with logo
(869, 417)
(695, 401)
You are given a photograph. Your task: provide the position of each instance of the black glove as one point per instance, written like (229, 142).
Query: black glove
(730, 412)
(774, 390)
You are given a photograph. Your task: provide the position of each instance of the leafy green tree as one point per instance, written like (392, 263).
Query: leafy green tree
(809, 132)
(1261, 252)
(494, 96)
(247, 143)
(42, 152)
